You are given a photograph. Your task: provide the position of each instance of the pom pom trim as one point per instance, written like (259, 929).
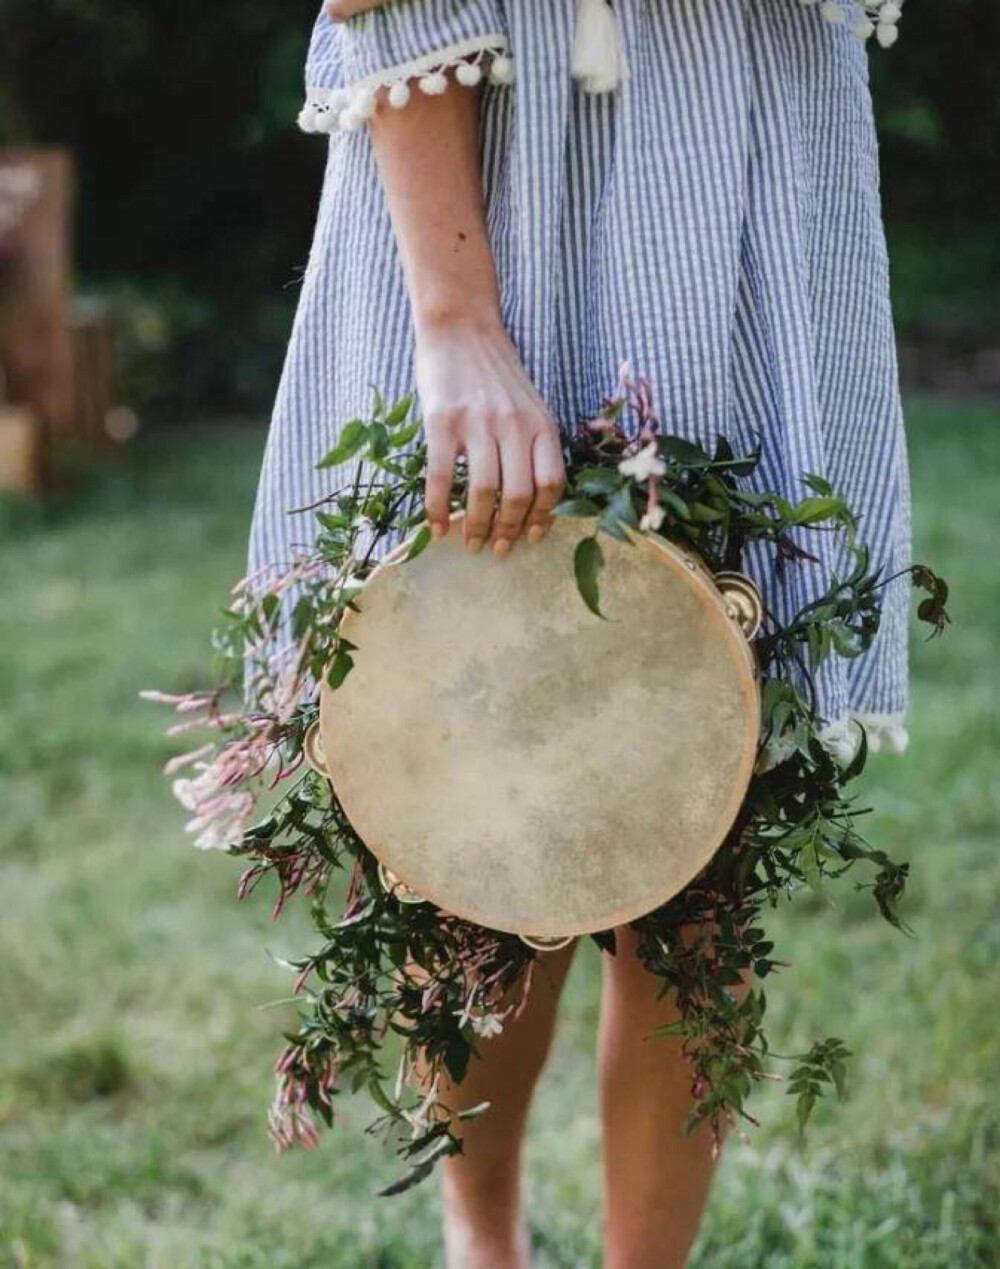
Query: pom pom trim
(347, 109)
(886, 733)
(865, 17)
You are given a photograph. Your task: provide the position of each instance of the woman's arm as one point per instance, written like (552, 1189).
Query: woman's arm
(476, 396)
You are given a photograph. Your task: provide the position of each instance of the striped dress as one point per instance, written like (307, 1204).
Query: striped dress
(715, 220)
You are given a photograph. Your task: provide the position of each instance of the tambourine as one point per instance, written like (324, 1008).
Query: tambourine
(520, 762)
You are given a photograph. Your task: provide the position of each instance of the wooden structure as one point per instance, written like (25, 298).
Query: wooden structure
(56, 355)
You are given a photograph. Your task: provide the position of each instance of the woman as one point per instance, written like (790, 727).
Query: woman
(519, 195)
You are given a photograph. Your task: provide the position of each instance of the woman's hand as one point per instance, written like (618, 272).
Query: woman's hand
(475, 395)
(477, 400)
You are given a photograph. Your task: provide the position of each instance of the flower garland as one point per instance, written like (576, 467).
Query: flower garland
(387, 973)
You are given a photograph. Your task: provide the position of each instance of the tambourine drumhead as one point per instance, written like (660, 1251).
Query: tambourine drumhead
(520, 762)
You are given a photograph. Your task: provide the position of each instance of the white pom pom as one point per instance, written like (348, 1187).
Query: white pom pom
(832, 11)
(309, 117)
(890, 12)
(842, 741)
(864, 29)
(327, 120)
(887, 33)
(351, 121)
(399, 94)
(364, 104)
(434, 85)
(502, 70)
(468, 74)
(895, 740)
(598, 61)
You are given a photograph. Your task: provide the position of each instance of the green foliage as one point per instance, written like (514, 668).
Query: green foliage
(111, 928)
(388, 965)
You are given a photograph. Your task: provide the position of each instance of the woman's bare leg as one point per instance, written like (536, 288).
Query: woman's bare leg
(483, 1227)
(656, 1180)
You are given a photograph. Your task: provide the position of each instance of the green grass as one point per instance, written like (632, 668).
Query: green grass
(135, 1050)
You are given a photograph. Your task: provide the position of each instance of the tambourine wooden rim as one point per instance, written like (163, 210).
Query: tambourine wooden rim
(729, 604)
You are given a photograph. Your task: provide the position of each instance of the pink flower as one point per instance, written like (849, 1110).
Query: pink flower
(186, 759)
(218, 792)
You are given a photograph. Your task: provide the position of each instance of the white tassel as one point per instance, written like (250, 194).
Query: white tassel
(598, 52)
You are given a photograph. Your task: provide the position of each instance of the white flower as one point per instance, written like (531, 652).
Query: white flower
(643, 465)
(832, 11)
(486, 1025)
(653, 518)
(890, 12)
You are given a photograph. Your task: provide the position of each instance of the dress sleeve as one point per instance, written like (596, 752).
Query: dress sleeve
(402, 45)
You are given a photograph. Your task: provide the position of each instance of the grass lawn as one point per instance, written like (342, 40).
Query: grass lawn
(137, 997)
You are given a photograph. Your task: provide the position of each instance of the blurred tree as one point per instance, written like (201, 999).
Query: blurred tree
(198, 192)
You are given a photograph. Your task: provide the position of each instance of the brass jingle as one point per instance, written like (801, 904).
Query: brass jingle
(743, 601)
(398, 889)
(542, 943)
(312, 749)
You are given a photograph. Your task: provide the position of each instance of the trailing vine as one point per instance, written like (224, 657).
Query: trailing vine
(397, 997)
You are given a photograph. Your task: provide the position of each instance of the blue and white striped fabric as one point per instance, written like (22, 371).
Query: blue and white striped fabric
(715, 221)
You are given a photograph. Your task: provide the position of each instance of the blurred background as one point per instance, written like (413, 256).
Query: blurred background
(156, 204)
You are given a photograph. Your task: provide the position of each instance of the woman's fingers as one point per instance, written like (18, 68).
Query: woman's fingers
(484, 481)
(442, 450)
(516, 488)
(549, 470)
(516, 477)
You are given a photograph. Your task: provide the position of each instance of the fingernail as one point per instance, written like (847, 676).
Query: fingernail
(474, 545)
(535, 533)
(437, 530)
(501, 546)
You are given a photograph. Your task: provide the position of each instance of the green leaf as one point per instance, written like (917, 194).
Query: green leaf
(622, 508)
(378, 441)
(598, 480)
(403, 435)
(332, 523)
(815, 510)
(609, 523)
(588, 560)
(818, 485)
(576, 507)
(675, 503)
(703, 514)
(351, 440)
(340, 667)
(399, 411)
(857, 763)
(684, 453)
(803, 1110)
(419, 544)
(809, 863)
